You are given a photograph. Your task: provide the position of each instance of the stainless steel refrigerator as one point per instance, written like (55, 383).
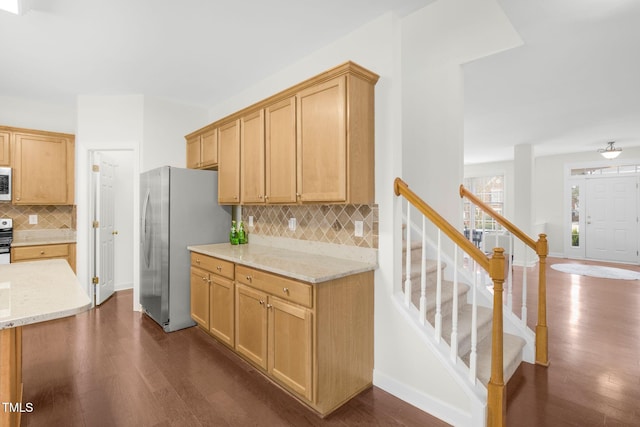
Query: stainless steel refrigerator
(178, 207)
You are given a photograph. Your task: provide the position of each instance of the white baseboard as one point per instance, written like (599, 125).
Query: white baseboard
(428, 404)
(123, 286)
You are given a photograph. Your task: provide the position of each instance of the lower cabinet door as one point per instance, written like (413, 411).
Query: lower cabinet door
(200, 297)
(251, 324)
(290, 338)
(221, 309)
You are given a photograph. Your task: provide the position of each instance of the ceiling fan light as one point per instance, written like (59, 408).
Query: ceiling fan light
(610, 152)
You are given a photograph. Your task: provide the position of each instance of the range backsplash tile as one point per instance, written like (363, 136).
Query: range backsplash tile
(49, 217)
(322, 223)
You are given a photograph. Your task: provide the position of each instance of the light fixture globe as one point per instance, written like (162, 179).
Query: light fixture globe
(610, 152)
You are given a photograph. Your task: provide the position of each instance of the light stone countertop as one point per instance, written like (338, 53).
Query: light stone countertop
(43, 237)
(304, 266)
(37, 291)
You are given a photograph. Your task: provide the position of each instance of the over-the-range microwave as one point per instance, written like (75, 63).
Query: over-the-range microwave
(5, 184)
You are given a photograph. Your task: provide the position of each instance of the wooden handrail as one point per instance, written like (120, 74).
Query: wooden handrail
(402, 188)
(499, 218)
(495, 266)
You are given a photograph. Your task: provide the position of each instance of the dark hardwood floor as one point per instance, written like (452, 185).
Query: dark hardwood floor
(114, 367)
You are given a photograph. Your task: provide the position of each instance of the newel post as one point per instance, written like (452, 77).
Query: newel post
(496, 396)
(542, 338)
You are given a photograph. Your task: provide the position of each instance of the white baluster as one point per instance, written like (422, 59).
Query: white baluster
(454, 311)
(438, 325)
(524, 287)
(407, 277)
(473, 355)
(423, 274)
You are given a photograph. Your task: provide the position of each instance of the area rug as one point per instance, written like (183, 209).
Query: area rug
(597, 271)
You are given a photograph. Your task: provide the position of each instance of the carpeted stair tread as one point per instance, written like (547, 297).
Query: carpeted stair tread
(512, 357)
(484, 316)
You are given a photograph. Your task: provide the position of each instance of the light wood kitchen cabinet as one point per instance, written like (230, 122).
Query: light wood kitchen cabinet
(335, 125)
(251, 325)
(276, 336)
(202, 149)
(252, 158)
(315, 340)
(200, 285)
(43, 168)
(5, 140)
(318, 143)
(229, 163)
(280, 151)
(65, 251)
(212, 296)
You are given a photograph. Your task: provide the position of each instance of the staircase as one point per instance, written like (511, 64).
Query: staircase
(461, 304)
(513, 344)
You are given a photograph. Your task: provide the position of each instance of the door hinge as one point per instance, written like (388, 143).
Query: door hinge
(95, 224)
(95, 280)
(95, 168)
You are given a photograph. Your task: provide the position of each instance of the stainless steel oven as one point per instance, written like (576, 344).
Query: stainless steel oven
(6, 237)
(5, 184)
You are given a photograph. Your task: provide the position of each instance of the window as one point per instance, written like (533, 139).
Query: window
(489, 189)
(575, 216)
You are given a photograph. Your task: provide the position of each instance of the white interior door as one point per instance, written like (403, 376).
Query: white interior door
(612, 219)
(104, 173)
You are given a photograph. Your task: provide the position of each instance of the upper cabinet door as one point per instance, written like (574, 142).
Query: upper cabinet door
(209, 148)
(252, 158)
(193, 152)
(43, 170)
(5, 160)
(229, 163)
(322, 142)
(280, 143)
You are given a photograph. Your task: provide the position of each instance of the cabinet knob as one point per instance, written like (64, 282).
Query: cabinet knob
(204, 279)
(260, 196)
(269, 306)
(285, 290)
(261, 302)
(197, 260)
(219, 268)
(266, 197)
(249, 278)
(41, 252)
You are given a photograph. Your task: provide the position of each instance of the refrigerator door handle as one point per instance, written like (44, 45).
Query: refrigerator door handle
(146, 240)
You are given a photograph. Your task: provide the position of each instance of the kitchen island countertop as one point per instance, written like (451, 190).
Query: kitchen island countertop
(304, 266)
(36, 291)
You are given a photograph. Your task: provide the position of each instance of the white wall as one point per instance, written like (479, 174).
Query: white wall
(153, 129)
(31, 114)
(105, 123)
(165, 125)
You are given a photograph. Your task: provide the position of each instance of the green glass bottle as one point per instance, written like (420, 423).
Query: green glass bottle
(233, 235)
(242, 234)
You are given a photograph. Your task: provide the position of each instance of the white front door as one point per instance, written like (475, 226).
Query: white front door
(104, 214)
(612, 219)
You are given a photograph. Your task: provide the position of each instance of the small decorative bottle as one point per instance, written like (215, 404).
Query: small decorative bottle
(233, 235)
(242, 234)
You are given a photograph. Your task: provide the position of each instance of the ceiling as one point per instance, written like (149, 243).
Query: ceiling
(194, 51)
(571, 87)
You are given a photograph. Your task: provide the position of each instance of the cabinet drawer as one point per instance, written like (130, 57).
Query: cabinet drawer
(214, 265)
(42, 251)
(287, 289)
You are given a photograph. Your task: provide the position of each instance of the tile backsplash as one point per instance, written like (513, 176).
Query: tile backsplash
(49, 217)
(322, 223)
